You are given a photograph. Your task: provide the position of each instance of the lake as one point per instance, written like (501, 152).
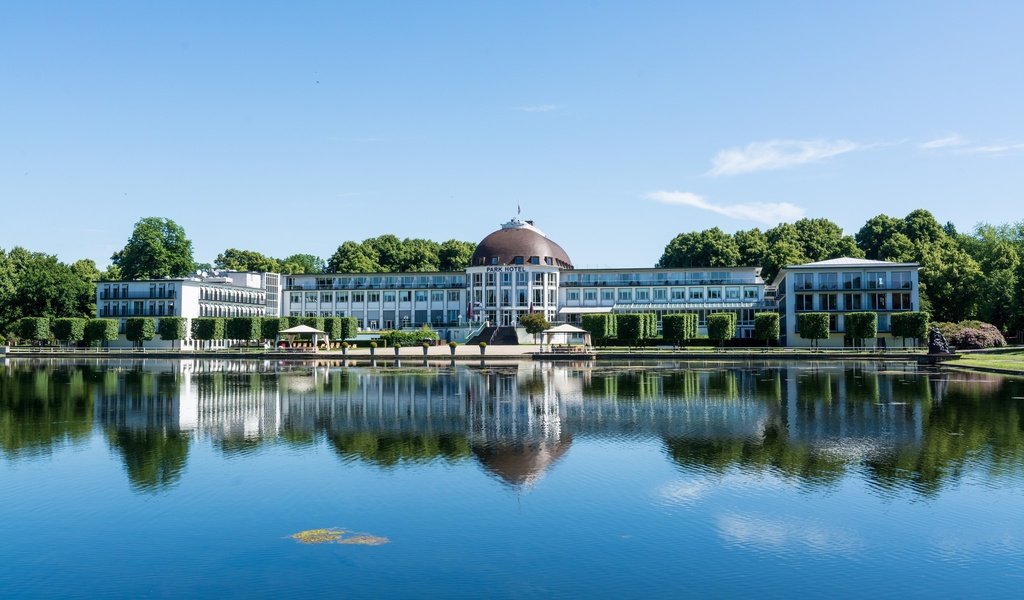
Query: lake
(189, 478)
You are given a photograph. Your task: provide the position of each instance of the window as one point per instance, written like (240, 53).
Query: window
(643, 295)
(901, 280)
(405, 296)
(494, 260)
(851, 281)
(828, 302)
(608, 295)
(876, 281)
(804, 302)
(678, 294)
(311, 297)
(750, 293)
(341, 297)
(478, 279)
(732, 293)
(828, 281)
(453, 296)
(877, 301)
(506, 278)
(572, 295)
(833, 323)
(538, 279)
(714, 293)
(339, 313)
(490, 279)
(521, 278)
(552, 278)
(901, 302)
(491, 298)
(803, 281)
(538, 296)
(548, 260)
(534, 260)
(625, 295)
(853, 301)
(437, 296)
(521, 297)
(660, 294)
(517, 260)
(421, 295)
(296, 298)
(389, 296)
(590, 295)
(357, 297)
(696, 294)
(327, 298)
(373, 296)
(506, 298)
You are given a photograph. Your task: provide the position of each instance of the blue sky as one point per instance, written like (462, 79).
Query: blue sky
(291, 127)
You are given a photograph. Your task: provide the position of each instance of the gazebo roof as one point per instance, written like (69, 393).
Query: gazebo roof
(566, 328)
(302, 329)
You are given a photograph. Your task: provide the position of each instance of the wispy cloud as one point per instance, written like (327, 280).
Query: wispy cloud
(787, 534)
(995, 148)
(539, 108)
(950, 141)
(769, 213)
(778, 154)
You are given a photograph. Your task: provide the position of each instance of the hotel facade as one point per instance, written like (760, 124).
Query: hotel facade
(515, 271)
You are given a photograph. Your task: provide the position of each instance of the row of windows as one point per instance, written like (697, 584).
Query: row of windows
(519, 297)
(228, 295)
(522, 260)
(375, 281)
(374, 297)
(137, 308)
(899, 280)
(521, 278)
(373, 323)
(120, 291)
(662, 294)
(658, 278)
(228, 310)
(852, 302)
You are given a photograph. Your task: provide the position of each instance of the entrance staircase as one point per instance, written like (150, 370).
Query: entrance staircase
(495, 336)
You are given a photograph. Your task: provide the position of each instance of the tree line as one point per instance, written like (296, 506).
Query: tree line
(975, 275)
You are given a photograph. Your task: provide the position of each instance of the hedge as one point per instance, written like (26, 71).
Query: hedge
(813, 326)
(314, 322)
(139, 329)
(100, 330)
(69, 329)
(243, 328)
(722, 326)
(208, 328)
(909, 325)
(271, 326)
(341, 328)
(602, 327)
(634, 328)
(408, 338)
(766, 326)
(679, 328)
(171, 328)
(860, 326)
(34, 328)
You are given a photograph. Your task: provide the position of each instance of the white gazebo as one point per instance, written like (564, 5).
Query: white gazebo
(565, 335)
(291, 332)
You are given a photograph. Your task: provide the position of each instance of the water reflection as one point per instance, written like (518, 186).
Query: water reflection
(816, 424)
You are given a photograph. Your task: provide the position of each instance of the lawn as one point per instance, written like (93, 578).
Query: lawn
(1012, 360)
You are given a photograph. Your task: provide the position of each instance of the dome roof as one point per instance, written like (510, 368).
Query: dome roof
(519, 243)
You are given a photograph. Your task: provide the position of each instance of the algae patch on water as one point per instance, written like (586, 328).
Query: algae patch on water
(338, 536)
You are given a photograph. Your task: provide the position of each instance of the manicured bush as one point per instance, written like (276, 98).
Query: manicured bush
(812, 326)
(679, 328)
(409, 338)
(69, 329)
(208, 328)
(602, 327)
(722, 326)
(98, 331)
(633, 328)
(139, 329)
(349, 328)
(34, 328)
(766, 327)
(171, 328)
(271, 326)
(243, 328)
(909, 325)
(860, 326)
(972, 335)
(314, 322)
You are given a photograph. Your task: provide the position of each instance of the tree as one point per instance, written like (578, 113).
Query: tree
(821, 239)
(418, 256)
(139, 329)
(454, 255)
(535, 323)
(157, 248)
(389, 251)
(860, 326)
(171, 328)
(709, 248)
(722, 327)
(909, 325)
(952, 280)
(766, 327)
(34, 328)
(753, 247)
(69, 329)
(98, 331)
(922, 228)
(874, 234)
(234, 259)
(813, 326)
(680, 327)
(298, 264)
(243, 328)
(602, 327)
(353, 257)
(632, 328)
(898, 248)
(33, 284)
(208, 328)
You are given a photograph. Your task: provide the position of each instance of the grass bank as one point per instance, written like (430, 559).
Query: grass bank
(1003, 361)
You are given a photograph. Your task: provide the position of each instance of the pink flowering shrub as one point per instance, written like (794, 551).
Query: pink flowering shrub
(967, 335)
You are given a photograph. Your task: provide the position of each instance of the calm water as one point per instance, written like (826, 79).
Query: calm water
(186, 478)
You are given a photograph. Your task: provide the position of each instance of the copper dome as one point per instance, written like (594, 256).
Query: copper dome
(519, 243)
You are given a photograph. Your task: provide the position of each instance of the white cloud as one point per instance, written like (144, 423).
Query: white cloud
(769, 213)
(782, 534)
(539, 108)
(950, 141)
(778, 154)
(994, 148)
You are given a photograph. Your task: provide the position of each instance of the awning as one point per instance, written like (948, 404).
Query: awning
(576, 310)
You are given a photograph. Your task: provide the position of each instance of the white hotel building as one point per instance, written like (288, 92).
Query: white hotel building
(514, 271)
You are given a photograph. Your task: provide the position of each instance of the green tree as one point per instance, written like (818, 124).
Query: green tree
(243, 328)
(98, 331)
(709, 248)
(753, 247)
(208, 328)
(419, 256)
(139, 329)
(353, 257)
(389, 250)
(632, 328)
(602, 327)
(909, 325)
(271, 326)
(766, 327)
(157, 248)
(679, 328)
(952, 279)
(813, 326)
(234, 259)
(69, 329)
(875, 233)
(860, 326)
(454, 255)
(535, 323)
(33, 284)
(298, 264)
(34, 328)
(722, 327)
(821, 239)
(171, 328)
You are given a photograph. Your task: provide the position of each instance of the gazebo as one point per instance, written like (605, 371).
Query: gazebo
(291, 332)
(565, 335)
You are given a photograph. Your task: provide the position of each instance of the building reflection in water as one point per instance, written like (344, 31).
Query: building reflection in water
(813, 422)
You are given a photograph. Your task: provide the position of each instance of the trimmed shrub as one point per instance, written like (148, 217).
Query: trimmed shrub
(243, 328)
(633, 328)
(314, 322)
(208, 328)
(602, 327)
(766, 327)
(812, 326)
(972, 335)
(139, 329)
(722, 326)
(69, 329)
(171, 328)
(100, 330)
(409, 338)
(271, 326)
(349, 328)
(679, 328)
(909, 325)
(860, 326)
(34, 328)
